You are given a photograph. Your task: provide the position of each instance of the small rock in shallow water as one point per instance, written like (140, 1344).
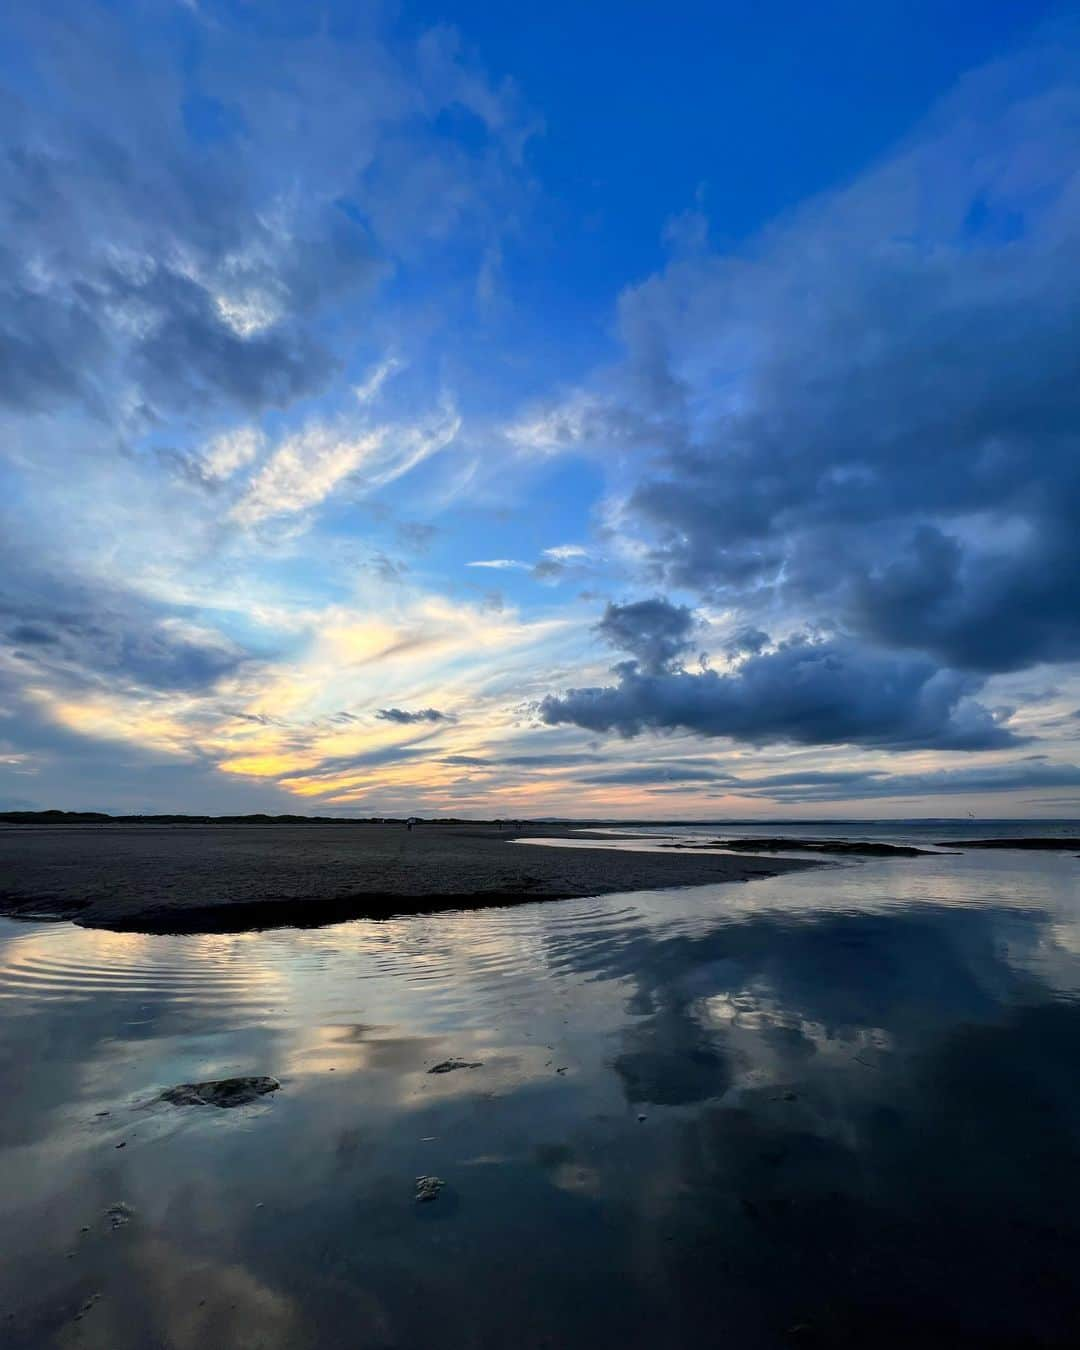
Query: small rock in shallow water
(119, 1214)
(224, 1092)
(427, 1188)
(86, 1307)
(449, 1065)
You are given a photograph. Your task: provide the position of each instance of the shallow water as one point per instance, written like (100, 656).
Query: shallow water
(859, 1089)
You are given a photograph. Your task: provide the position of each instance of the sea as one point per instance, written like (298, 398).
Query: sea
(836, 1107)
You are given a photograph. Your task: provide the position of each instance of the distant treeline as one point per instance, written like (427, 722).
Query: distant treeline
(100, 818)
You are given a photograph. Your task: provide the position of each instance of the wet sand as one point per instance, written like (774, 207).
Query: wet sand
(231, 878)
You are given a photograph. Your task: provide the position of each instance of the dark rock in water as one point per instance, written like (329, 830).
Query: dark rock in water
(116, 1216)
(449, 1065)
(428, 1188)
(224, 1092)
(1032, 843)
(860, 847)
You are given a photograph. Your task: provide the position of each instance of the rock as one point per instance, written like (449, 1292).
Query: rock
(86, 1307)
(449, 1065)
(118, 1215)
(223, 1092)
(781, 843)
(427, 1188)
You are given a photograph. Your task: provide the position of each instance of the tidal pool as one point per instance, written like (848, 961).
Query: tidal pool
(839, 1107)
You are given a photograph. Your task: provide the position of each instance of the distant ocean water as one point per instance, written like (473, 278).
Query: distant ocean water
(921, 830)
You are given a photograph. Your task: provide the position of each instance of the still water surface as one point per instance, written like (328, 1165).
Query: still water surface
(840, 1107)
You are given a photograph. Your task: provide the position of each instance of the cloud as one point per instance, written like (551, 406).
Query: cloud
(557, 563)
(648, 774)
(551, 566)
(191, 355)
(747, 641)
(566, 552)
(309, 466)
(75, 635)
(856, 784)
(868, 415)
(806, 691)
(181, 236)
(555, 760)
(655, 632)
(408, 718)
(231, 451)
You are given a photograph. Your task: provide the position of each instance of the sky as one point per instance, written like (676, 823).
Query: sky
(612, 410)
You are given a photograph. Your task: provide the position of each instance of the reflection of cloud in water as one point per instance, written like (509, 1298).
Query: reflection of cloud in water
(860, 1099)
(193, 1306)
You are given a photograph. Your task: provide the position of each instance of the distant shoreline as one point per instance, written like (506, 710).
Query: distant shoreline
(61, 817)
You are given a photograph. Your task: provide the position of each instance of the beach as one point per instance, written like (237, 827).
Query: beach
(221, 878)
(833, 1107)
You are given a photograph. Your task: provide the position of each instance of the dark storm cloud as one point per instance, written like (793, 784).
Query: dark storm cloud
(811, 692)
(871, 418)
(655, 632)
(405, 718)
(129, 259)
(746, 642)
(82, 635)
(157, 253)
(46, 345)
(192, 355)
(32, 635)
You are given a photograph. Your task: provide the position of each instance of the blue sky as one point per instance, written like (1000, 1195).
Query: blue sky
(611, 410)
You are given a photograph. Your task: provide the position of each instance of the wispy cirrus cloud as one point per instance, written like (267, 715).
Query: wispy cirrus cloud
(308, 467)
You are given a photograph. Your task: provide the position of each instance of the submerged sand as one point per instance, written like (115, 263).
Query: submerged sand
(214, 878)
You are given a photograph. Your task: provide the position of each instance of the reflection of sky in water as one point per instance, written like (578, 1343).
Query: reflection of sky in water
(858, 1083)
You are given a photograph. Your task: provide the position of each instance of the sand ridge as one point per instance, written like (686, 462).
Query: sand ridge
(205, 878)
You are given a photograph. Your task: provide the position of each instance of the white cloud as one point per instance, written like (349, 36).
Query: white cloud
(558, 427)
(369, 389)
(310, 465)
(499, 564)
(232, 450)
